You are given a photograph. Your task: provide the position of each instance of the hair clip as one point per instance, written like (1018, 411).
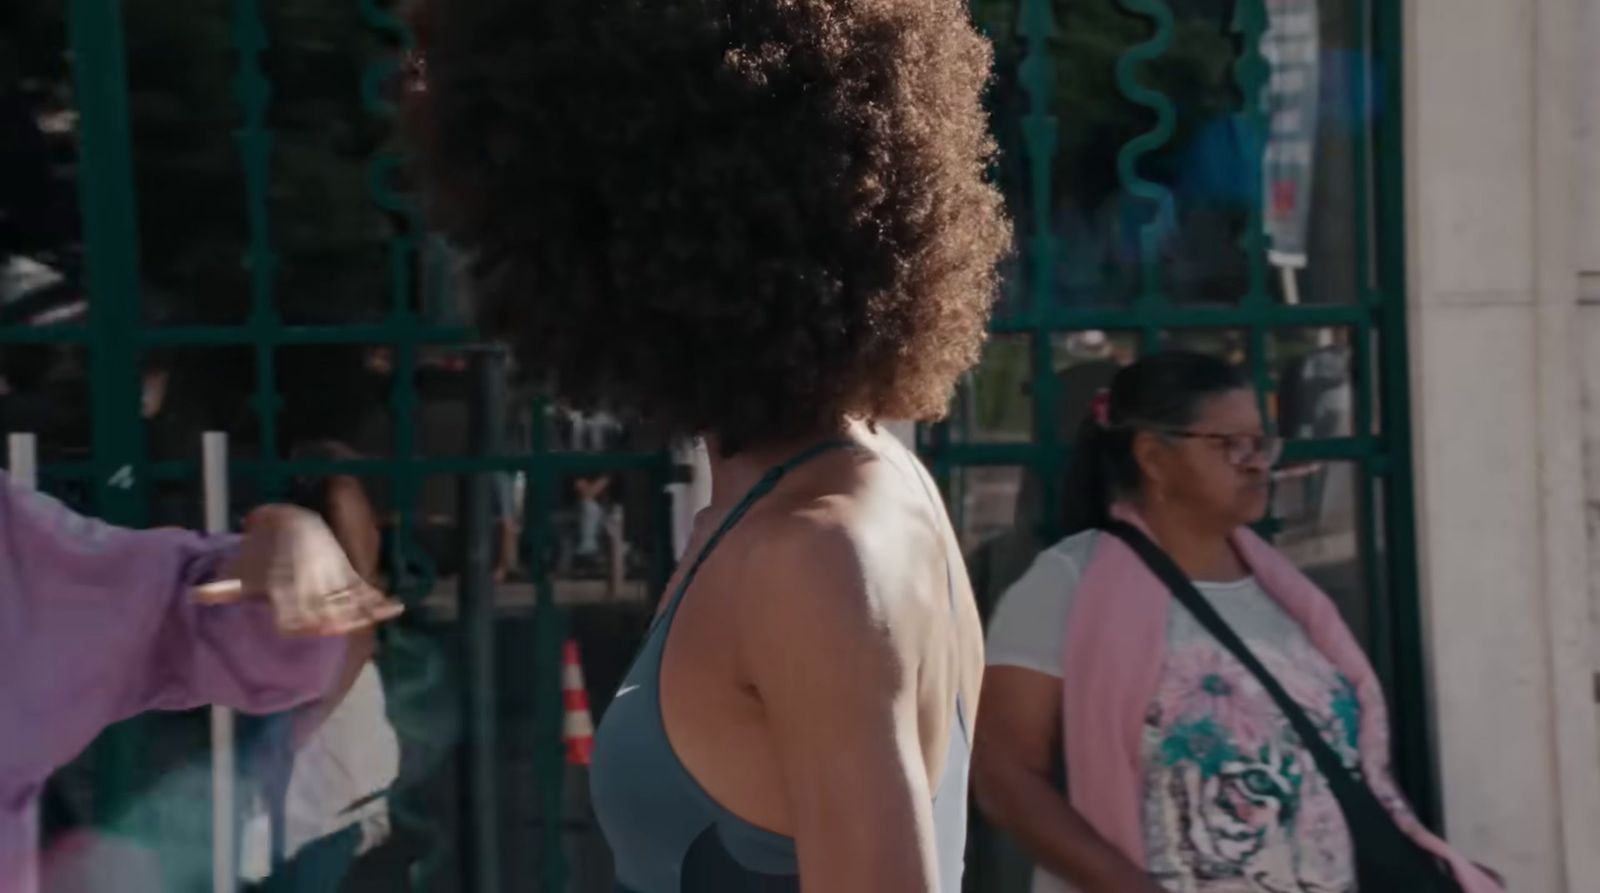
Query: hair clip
(1100, 408)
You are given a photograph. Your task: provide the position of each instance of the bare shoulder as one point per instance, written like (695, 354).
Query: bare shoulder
(808, 572)
(834, 573)
(815, 636)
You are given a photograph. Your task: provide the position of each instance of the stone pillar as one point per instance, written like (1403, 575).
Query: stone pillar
(1491, 116)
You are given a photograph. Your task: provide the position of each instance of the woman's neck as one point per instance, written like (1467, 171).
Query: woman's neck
(1202, 550)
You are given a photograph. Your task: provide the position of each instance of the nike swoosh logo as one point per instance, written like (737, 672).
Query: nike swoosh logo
(626, 689)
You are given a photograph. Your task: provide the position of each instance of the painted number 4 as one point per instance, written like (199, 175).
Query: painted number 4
(123, 479)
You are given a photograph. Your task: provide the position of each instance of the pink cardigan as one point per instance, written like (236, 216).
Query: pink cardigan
(1115, 647)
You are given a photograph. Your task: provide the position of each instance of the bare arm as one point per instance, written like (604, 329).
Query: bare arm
(106, 617)
(840, 702)
(355, 526)
(1017, 744)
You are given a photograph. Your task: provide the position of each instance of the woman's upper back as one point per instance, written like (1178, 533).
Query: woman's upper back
(855, 536)
(828, 641)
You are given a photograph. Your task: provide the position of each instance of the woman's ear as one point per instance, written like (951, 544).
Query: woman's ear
(1149, 453)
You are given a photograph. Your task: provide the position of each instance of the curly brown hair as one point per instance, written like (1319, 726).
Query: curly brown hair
(745, 218)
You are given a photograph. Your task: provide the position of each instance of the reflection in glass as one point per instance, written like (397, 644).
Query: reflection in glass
(591, 431)
(1085, 362)
(1008, 104)
(44, 391)
(187, 171)
(1230, 345)
(996, 520)
(186, 110)
(338, 391)
(992, 403)
(43, 387)
(1204, 184)
(322, 773)
(1379, 639)
(1264, 174)
(320, 786)
(604, 538)
(1315, 389)
(600, 547)
(1318, 507)
(188, 391)
(444, 384)
(41, 249)
(1375, 385)
(983, 502)
(1320, 143)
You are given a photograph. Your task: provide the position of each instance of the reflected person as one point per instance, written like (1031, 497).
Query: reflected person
(100, 623)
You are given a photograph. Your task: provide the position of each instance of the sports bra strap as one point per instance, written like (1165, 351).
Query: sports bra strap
(768, 482)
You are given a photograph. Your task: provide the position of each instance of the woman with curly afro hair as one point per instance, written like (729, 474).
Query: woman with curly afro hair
(765, 223)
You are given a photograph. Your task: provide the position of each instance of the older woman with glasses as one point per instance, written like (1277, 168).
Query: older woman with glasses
(1218, 727)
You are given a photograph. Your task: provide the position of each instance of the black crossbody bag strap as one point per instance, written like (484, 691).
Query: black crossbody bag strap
(1386, 858)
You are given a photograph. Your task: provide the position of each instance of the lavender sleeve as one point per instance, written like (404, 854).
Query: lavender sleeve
(96, 625)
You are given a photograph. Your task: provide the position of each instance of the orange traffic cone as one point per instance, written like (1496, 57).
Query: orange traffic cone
(578, 728)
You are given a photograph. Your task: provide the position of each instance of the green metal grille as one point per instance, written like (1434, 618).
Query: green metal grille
(119, 474)
(1376, 449)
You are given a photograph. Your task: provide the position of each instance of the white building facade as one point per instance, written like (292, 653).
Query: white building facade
(1502, 189)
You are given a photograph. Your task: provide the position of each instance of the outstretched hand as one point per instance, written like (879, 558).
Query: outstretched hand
(289, 557)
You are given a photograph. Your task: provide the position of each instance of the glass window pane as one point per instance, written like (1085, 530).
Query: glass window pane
(1229, 345)
(1315, 388)
(1320, 512)
(41, 247)
(997, 512)
(44, 391)
(568, 429)
(1378, 388)
(1319, 177)
(1268, 190)
(992, 402)
(984, 502)
(1085, 362)
(207, 163)
(183, 112)
(606, 536)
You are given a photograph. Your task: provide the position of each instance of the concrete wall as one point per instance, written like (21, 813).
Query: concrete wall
(1494, 91)
(1588, 322)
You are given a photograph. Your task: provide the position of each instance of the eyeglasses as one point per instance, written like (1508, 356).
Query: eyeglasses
(1239, 449)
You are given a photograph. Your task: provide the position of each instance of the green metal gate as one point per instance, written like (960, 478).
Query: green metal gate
(444, 708)
(1094, 97)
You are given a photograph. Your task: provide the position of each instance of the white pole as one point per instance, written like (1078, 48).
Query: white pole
(619, 551)
(224, 870)
(24, 460)
(1291, 285)
(699, 478)
(690, 496)
(23, 454)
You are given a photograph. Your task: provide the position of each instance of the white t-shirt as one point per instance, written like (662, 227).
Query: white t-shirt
(1232, 803)
(336, 780)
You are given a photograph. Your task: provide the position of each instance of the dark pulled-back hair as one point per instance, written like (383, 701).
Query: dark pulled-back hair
(1163, 390)
(747, 218)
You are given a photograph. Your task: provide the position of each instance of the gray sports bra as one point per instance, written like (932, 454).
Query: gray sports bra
(666, 833)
